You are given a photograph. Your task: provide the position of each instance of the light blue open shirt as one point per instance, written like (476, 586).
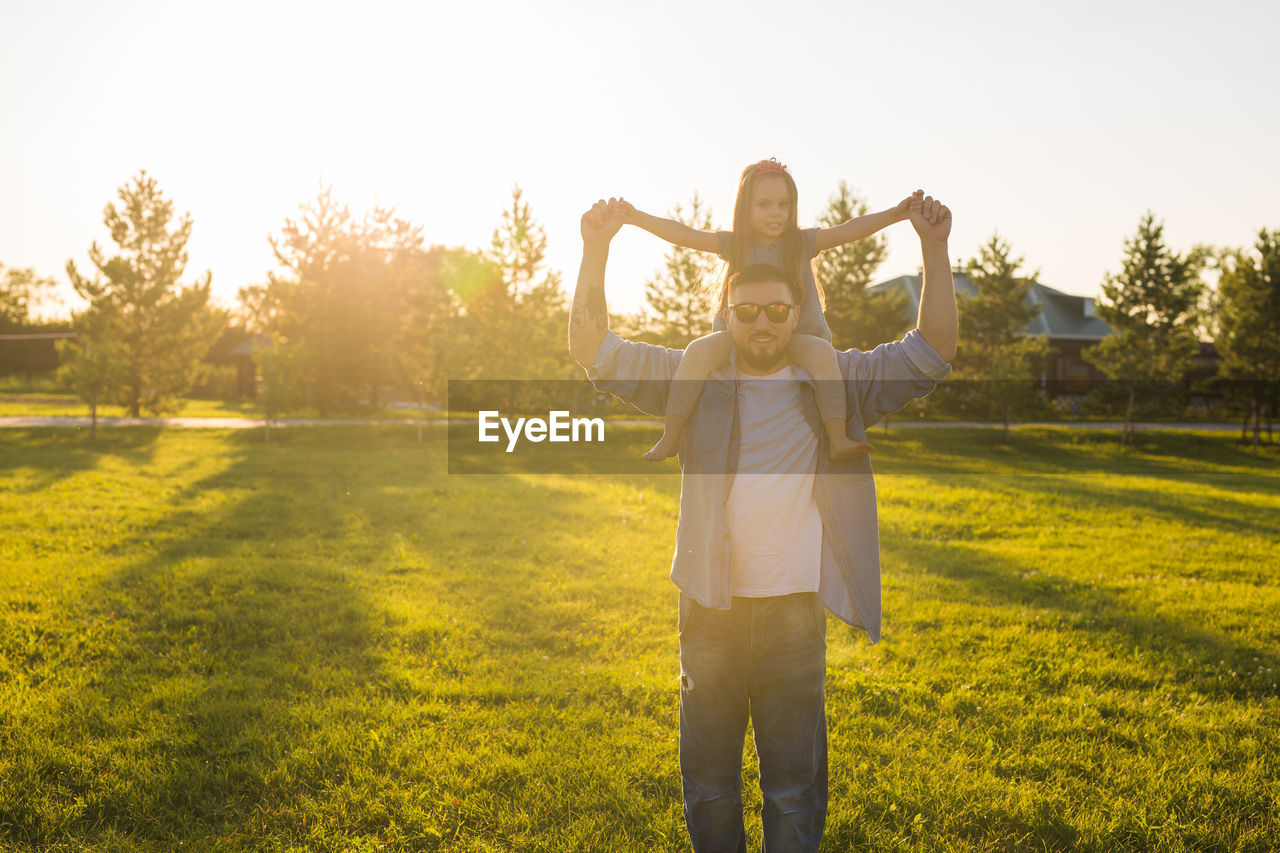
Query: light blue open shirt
(878, 383)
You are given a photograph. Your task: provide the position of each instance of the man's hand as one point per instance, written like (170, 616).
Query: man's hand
(938, 321)
(930, 217)
(602, 221)
(588, 314)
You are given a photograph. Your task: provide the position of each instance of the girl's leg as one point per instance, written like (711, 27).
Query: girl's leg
(819, 358)
(700, 358)
(812, 321)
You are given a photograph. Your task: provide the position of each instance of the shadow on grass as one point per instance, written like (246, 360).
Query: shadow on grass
(952, 453)
(532, 563)
(243, 656)
(1211, 512)
(1063, 465)
(245, 662)
(1191, 654)
(230, 631)
(53, 454)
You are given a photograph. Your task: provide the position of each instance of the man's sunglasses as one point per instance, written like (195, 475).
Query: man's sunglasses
(747, 312)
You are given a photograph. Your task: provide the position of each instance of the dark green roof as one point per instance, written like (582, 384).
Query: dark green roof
(1062, 315)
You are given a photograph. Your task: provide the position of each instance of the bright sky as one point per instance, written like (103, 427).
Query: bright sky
(1059, 125)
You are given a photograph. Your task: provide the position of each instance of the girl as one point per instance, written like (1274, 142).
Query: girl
(765, 231)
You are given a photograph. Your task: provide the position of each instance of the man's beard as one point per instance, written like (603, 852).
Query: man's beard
(763, 361)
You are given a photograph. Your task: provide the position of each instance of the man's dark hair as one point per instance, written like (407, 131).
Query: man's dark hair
(757, 274)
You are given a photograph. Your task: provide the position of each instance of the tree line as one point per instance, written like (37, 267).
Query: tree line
(1159, 308)
(360, 307)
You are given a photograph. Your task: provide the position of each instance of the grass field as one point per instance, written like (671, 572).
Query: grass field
(61, 405)
(329, 643)
(41, 396)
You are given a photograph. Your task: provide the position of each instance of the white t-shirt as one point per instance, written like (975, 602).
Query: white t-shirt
(775, 531)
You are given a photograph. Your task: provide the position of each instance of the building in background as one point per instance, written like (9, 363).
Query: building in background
(1068, 321)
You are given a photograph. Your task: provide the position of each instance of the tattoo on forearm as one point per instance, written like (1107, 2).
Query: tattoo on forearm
(589, 308)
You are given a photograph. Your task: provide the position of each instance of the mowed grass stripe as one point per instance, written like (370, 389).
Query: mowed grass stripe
(329, 643)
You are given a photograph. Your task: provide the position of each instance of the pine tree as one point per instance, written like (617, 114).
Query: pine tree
(514, 310)
(1248, 314)
(156, 331)
(677, 300)
(424, 340)
(857, 319)
(341, 301)
(998, 354)
(281, 369)
(89, 361)
(1152, 304)
(541, 309)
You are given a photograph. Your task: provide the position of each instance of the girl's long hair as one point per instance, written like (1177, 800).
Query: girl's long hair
(793, 258)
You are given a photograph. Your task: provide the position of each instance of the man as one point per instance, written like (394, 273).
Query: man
(771, 531)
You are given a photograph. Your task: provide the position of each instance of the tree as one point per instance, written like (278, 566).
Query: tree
(518, 250)
(1152, 304)
(341, 301)
(1248, 315)
(998, 354)
(281, 366)
(20, 289)
(422, 354)
(26, 345)
(857, 319)
(156, 331)
(678, 299)
(89, 362)
(472, 281)
(515, 311)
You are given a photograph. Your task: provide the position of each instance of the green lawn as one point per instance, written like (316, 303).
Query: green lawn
(29, 397)
(58, 404)
(329, 643)
(53, 405)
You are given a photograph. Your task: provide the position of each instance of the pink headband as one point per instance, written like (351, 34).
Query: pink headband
(770, 165)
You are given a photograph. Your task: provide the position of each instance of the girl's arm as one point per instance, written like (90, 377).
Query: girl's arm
(674, 232)
(861, 227)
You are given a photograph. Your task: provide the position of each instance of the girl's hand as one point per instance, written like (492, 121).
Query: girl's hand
(628, 211)
(902, 210)
(601, 222)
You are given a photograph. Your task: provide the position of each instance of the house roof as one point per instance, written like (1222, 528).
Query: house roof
(251, 345)
(1062, 315)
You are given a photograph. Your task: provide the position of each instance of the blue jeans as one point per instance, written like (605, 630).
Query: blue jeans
(763, 659)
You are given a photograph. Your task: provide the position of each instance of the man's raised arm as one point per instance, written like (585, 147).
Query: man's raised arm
(938, 322)
(589, 316)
